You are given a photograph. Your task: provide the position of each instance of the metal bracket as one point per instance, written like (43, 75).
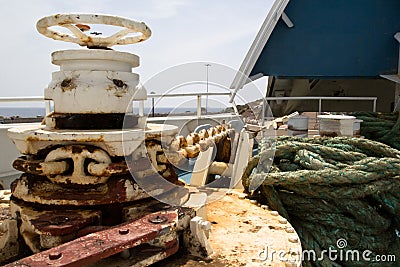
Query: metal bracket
(103, 244)
(287, 20)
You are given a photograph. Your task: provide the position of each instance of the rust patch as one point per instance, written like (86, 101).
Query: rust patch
(77, 149)
(224, 150)
(120, 92)
(91, 229)
(42, 191)
(32, 138)
(91, 248)
(63, 222)
(119, 83)
(33, 167)
(113, 169)
(170, 175)
(68, 84)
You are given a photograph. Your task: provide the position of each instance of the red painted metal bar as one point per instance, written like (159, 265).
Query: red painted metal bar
(93, 247)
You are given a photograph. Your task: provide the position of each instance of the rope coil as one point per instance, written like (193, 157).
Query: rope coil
(332, 188)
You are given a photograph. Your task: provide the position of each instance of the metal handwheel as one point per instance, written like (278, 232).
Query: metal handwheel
(76, 24)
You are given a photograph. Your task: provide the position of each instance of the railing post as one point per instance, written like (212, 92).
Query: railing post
(47, 106)
(319, 105)
(374, 107)
(141, 108)
(198, 106)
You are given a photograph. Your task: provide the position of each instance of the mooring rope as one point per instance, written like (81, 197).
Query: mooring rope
(382, 127)
(332, 188)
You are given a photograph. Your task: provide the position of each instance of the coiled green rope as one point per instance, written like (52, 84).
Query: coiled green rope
(331, 188)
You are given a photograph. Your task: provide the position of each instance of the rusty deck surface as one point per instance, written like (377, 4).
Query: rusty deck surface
(240, 230)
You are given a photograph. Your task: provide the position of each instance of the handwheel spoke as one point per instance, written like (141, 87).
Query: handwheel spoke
(76, 31)
(117, 36)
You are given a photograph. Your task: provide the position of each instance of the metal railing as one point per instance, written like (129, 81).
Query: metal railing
(27, 99)
(198, 95)
(320, 98)
(141, 103)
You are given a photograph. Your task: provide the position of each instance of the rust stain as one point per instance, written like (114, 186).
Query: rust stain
(91, 229)
(103, 244)
(32, 138)
(115, 191)
(68, 84)
(113, 169)
(32, 167)
(119, 83)
(63, 222)
(120, 92)
(91, 140)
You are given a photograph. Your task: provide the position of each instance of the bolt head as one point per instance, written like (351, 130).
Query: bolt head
(123, 231)
(158, 219)
(55, 255)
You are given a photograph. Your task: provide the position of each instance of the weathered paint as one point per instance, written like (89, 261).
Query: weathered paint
(82, 177)
(73, 21)
(78, 154)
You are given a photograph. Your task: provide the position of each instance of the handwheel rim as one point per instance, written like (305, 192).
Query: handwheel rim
(70, 21)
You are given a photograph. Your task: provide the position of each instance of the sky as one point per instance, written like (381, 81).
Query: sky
(183, 31)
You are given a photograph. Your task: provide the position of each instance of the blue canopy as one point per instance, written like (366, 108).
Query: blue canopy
(333, 38)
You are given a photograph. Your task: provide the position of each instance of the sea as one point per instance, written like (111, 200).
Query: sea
(30, 112)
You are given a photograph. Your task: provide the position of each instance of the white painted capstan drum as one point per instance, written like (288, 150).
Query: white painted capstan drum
(94, 81)
(93, 146)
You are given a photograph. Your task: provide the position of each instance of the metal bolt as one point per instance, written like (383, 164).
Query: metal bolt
(123, 231)
(289, 230)
(158, 219)
(282, 221)
(55, 255)
(242, 196)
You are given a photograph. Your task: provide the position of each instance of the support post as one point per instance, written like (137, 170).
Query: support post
(198, 106)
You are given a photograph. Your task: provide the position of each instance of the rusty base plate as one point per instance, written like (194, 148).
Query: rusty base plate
(119, 239)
